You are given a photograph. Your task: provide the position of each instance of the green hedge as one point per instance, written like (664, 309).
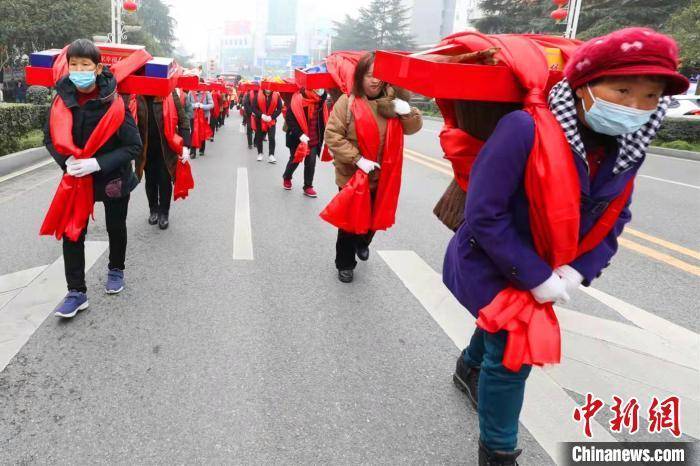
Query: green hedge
(680, 129)
(16, 120)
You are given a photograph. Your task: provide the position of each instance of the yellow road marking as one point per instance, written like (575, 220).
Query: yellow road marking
(659, 256)
(446, 168)
(664, 243)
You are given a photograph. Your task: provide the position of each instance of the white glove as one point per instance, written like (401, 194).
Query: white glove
(366, 165)
(266, 118)
(198, 105)
(304, 138)
(553, 290)
(572, 278)
(401, 107)
(83, 167)
(70, 161)
(185, 155)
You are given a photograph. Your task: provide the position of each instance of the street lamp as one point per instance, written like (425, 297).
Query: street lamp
(118, 31)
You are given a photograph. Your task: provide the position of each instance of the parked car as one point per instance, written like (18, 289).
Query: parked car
(684, 105)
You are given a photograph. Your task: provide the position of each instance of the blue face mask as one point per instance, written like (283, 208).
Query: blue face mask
(82, 79)
(614, 119)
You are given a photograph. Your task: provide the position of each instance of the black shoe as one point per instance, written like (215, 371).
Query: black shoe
(193, 155)
(362, 252)
(466, 378)
(250, 147)
(346, 276)
(163, 221)
(497, 458)
(153, 218)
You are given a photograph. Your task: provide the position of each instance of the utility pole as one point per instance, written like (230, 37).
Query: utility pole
(572, 18)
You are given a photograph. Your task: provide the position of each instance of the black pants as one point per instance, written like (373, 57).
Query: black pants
(74, 251)
(213, 125)
(309, 167)
(259, 136)
(248, 130)
(346, 246)
(159, 187)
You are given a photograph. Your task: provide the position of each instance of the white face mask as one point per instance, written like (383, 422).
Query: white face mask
(320, 92)
(614, 119)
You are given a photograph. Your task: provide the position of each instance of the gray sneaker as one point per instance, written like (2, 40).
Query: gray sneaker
(115, 281)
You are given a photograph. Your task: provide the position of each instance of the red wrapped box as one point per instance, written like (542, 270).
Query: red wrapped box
(112, 53)
(314, 80)
(494, 83)
(187, 83)
(286, 87)
(39, 76)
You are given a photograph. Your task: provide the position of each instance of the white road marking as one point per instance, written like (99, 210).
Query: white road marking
(23, 314)
(25, 170)
(550, 426)
(242, 230)
(666, 157)
(20, 279)
(670, 181)
(673, 333)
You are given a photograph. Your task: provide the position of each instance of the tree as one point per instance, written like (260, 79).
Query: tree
(684, 26)
(30, 25)
(384, 24)
(157, 31)
(598, 17)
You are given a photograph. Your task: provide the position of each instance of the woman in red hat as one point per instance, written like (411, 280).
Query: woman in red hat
(547, 199)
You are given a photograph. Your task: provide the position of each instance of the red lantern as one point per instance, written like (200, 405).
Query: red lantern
(130, 6)
(559, 14)
(560, 3)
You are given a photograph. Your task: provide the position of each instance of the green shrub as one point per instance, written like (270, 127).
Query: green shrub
(16, 120)
(680, 129)
(38, 95)
(680, 145)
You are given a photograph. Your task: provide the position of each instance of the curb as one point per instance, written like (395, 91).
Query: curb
(675, 153)
(22, 160)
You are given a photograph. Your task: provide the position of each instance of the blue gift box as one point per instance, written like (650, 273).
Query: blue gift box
(160, 67)
(44, 59)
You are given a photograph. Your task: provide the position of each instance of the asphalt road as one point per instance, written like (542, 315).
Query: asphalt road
(205, 359)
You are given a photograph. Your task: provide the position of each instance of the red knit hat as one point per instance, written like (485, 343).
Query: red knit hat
(627, 52)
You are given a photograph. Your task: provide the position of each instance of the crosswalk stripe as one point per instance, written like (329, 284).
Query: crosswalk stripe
(23, 314)
(550, 426)
(242, 230)
(669, 331)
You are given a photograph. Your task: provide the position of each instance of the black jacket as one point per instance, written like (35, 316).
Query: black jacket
(268, 98)
(294, 131)
(116, 155)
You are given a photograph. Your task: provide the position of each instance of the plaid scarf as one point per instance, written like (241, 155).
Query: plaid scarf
(632, 146)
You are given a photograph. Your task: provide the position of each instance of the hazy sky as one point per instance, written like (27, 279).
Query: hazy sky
(195, 17)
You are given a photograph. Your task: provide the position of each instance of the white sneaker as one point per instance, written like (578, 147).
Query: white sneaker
(260, 157)
(271, 159)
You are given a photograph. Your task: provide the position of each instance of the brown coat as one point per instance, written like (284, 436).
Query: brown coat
(183, 129)
(341, 136)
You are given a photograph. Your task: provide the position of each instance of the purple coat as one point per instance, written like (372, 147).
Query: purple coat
(494, 248)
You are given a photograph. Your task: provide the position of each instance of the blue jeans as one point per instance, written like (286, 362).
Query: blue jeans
(501, 391)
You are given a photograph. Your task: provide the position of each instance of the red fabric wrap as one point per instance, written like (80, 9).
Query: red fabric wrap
(299, 103)
(134, 108)
(170, 120)
(201, 130)
(74, 200)
(341, 66)
(533, 330)
(183, 181)
(216, 110)
(352, 209)
(265, 110)
(325, 152)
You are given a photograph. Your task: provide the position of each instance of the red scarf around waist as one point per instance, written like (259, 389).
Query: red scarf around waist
(216, 110)
(201, 130)
(352, 208)
(554, 207)
(265, 109)
(309, 102)
(74, 200)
